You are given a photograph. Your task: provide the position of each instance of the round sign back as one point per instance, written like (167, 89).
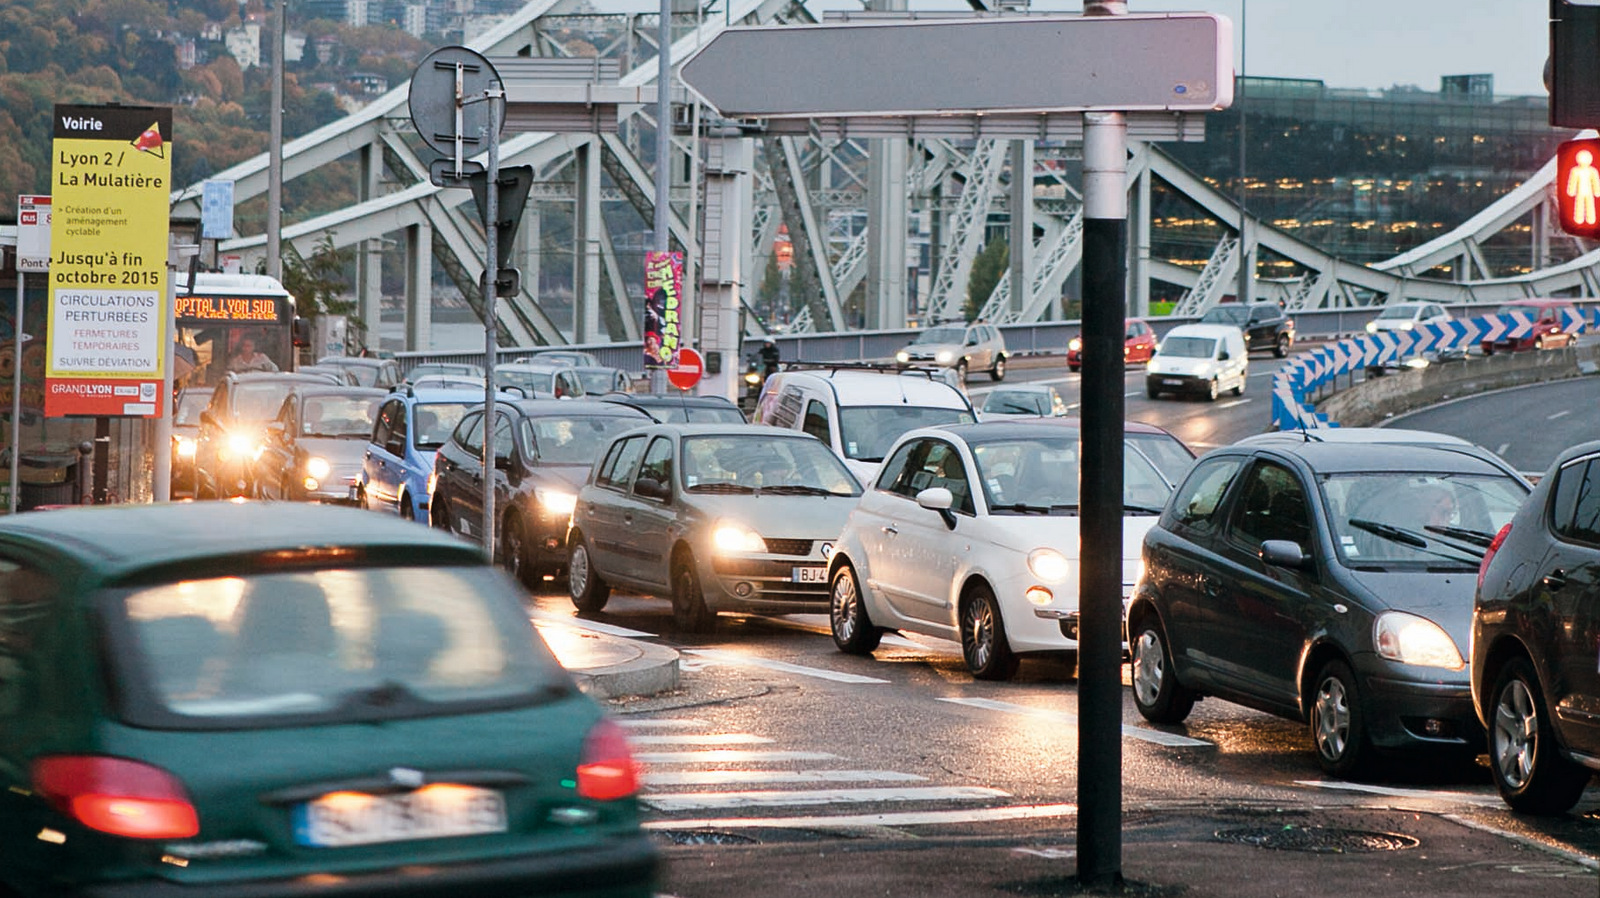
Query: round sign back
(686, 373)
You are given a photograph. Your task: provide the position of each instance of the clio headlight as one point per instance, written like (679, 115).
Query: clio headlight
(731, 536)
(1410, 639)
(557, 502)
(902, 356)
(944, 357)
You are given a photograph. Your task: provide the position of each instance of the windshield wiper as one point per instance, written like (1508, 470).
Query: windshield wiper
(1023, 508)
(1476, 537)
(1413, 539)
(1142, 509)
(796, 489)
(1013, 407)
(721, 487)
(384, 695)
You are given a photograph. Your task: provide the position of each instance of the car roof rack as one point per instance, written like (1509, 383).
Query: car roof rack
(930, 372)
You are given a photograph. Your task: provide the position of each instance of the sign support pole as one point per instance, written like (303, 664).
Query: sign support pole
(1105, 223)
(663, 210)
(16, 394)
(491, 296)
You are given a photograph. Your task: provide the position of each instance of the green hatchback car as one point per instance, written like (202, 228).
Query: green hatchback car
(227, 700)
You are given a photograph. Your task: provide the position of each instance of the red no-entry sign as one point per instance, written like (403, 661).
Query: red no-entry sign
(686, 373)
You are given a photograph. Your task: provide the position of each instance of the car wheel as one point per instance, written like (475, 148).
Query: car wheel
(1212, 390)
(439, 513)
(1238, 389)
(514, 553)
(961, 371)
(1528, 768)
(983, 637)
(408, 509)
(1156, 692)
(689, 611)
(1152, 392)
(1281, 347)
(853, 631)
(1338, 724)
(1538, 343)
(588, 591)
(1073, 368)
(998, 372)
(1488, 348)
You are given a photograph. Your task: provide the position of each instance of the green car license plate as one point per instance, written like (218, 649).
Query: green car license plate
(356, 818)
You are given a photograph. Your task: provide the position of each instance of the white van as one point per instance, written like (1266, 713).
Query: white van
(1198, 358)
(860, 412)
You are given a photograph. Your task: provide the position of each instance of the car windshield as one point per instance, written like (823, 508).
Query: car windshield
(1226, 315)
(264, 649)
(366, 375)
(867, 431)
(338, 416)
(259, 402)
(1399, 312)
(1039, 475)
(530, 379)
(1189, 347)
(435, 421)
(760, 463)
(1170, 456)
(1383, 520)
(1530, 311)
(597, 381)
(427, 368)
(1017, 402)
(190, 404)
(949, 334)
(575, 440)
(696, 414)
(565, 358)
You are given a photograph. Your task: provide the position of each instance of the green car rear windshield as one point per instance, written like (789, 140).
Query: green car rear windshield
(333, 645)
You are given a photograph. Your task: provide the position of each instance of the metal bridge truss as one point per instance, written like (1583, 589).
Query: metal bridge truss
(807, 181)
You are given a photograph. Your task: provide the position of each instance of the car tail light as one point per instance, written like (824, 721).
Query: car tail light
(1488, 555)
(117, 796)
(607, 771)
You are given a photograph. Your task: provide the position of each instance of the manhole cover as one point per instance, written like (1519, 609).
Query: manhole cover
(1320, 839)
(683, 837)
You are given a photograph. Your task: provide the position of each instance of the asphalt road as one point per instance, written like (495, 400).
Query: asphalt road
(1527, 426)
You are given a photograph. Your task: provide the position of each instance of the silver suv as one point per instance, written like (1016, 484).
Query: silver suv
(964, 347)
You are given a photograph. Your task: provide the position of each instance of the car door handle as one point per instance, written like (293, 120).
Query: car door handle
(1555, 579)
(627, 518)
(890, 529)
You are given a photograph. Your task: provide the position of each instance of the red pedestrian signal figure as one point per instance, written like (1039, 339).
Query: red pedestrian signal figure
(1578, 187)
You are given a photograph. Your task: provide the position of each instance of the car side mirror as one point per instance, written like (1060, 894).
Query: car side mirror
(937, 498)
(1284, 553)
(1222, 356)
(651, 488)
(502, 462)
(208, 419)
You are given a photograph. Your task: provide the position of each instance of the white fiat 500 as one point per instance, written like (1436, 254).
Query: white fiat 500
(970, 533)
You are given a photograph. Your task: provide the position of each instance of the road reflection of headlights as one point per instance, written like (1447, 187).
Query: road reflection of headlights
(902, 356)
(1049, 565)
(556, 502)
(1410, 639)
(186, 447)
(317, 467)
(734, 537)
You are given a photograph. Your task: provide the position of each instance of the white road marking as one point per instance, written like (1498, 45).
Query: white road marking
(1561, 414)
(729, 756)
(581, 624)
(1502, 449)
(729, 777)
(1171, 740)
(1430, 794)
(1575, 857)
(710, 801)
(1233, 402)
(721, 657)
(668, 723)
(1134, 393)
(700, 739)
(856, 821)
(1054, 854)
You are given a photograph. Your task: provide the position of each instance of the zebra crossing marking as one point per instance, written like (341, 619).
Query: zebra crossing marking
(856, 821)
(729, 756)
(737, 658)
(710, 801)
(698, 739)
(1171, 740)
(665, 723)
(729, 777)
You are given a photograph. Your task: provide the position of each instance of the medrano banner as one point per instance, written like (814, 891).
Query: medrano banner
(111, 173)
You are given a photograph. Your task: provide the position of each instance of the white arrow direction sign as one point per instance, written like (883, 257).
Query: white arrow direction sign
(1163, 62)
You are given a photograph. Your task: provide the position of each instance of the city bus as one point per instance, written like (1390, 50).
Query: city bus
(233, 322)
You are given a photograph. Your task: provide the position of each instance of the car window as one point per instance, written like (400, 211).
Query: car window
(25, 594)
(337, 416)
(269, 649)
(747, 463)
(892, 468)
(259, 401)
(1388, 519)
(469, 434)
(1039, 475)
(616, 470)
(1189, 347)
(867, 431)
(574, 440)
(1165, 452)
(936, 463)
(435, 421)
(1195, 504)
(657, 464)
(190, 405)
(816, 422)
(383, 430)
(1575, 511)
(1272, 505)
(787, 409)
(503, 444)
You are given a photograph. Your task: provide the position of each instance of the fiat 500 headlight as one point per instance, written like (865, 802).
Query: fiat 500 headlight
(1049, 565)
(1410, 639)
(317, 467)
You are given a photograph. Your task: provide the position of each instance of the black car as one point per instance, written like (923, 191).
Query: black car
(543, 450)
(681, 409)
(1534, 635)
(1325, 583)
(1265, 325)
(233, 432)
(313, 448)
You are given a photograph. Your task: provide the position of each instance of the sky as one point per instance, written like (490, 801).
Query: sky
(1361, 43)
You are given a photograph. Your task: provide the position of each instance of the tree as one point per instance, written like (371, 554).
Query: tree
(987, 269)
(319, 283)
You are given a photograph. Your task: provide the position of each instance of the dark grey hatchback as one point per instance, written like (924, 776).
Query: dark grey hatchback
(1329, 583)
(1535, 633)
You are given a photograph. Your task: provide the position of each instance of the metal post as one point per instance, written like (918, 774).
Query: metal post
(275, 150)
(1105, 222)
(102, 461)
(663, 217)
(16, 395)
(491, 267)
(1247, 273)
(161, 465)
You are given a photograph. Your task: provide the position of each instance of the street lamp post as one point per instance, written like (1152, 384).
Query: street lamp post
(275, 149)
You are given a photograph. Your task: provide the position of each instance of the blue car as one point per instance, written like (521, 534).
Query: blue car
(411, 425)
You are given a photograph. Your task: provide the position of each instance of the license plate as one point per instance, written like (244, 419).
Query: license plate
(354, 494)
(809, 575)
(353, 818)
(1172, 382)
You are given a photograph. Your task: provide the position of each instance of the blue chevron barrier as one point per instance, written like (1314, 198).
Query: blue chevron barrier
(1308, 371)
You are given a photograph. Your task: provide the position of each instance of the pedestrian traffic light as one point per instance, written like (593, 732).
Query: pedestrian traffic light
(1578, 186)
(1571, 70)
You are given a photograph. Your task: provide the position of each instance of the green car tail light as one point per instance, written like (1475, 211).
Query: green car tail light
(117, 796)
(607, 770)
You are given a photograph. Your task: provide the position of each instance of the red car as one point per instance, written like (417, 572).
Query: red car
(1549, 326)
(1138, 345)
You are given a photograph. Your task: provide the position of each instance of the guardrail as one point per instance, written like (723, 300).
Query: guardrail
(1046, 337)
